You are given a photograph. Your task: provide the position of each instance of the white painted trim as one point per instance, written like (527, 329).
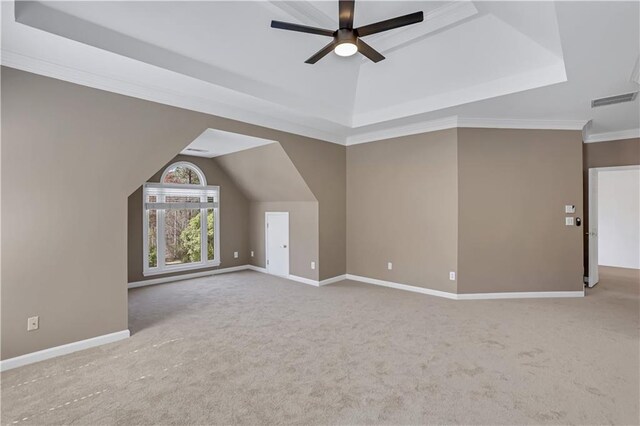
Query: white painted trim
(236, 106)
(520, 295)
(182, 277)
(185, 164)
(257, 269)
(333, 280)
(612, 136)
(301, 280)
(56, 351)
(466, 296)
(399, 286)
(244, 112)
(462, 122)
(161, 190)
(635, 75)
(399, 131)
(509, 123)
(592, 230)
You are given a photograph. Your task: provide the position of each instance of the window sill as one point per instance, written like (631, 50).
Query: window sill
(180, 268)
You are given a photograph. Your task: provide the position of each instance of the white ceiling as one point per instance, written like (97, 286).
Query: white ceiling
(497, 64)
(214, 143)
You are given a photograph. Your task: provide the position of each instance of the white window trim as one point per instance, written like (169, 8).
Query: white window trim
(161, 190)
(172, 167)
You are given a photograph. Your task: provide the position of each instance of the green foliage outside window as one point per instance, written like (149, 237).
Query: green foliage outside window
(190, 238)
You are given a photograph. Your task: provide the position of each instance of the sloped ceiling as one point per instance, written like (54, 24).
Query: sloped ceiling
(266, 173)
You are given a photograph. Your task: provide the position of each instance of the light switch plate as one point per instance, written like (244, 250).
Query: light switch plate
(568, 221)
(569, 208)
(389, 265)
(33, 323)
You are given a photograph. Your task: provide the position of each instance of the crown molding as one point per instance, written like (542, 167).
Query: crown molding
(407, 130)
(464, 122)
(508, 123)
(612, 136)
(635, 75)
(162, 95)
(235, 112)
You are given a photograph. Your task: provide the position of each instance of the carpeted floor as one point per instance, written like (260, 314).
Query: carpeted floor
(250, 348)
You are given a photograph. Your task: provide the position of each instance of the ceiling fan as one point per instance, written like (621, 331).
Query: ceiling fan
(346, 39)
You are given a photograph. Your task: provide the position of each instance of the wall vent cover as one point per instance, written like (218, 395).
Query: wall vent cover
(617, 99)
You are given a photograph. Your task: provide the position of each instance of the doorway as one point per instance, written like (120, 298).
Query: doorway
(277, 243)
(614, 219)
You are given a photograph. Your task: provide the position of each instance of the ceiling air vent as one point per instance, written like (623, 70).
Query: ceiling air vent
(196, 150)
(617, 99)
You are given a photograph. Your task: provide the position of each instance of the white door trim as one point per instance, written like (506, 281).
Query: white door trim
(266, 240)
(592, 232)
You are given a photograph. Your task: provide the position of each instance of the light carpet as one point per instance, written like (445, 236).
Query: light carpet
(249, 348)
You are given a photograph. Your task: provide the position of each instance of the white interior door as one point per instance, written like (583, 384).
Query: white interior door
(277, 242)
(592, 232)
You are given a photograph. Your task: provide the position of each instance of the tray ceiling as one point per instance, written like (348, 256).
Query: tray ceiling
(225, 54)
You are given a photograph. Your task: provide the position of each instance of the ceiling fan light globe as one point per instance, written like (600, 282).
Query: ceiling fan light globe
(346, 49)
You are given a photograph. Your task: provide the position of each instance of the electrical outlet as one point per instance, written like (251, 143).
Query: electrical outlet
(33, 323)
(568, 221)
(389, 265)
(452, 276)
(313, 265)
(251, 253)
(235, 254)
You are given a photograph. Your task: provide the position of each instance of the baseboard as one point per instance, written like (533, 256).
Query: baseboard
(468, 296)
(303, 280)
(520, 295)
(399, 286)
(56, 351)
(257, 268)
(333, 280)
(181, 277)
(299, 279)
(164, 280)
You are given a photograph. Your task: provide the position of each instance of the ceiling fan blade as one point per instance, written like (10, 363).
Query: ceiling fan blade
(389, 24)
(345, 13)
(321, 53)
(301, 28)
(369, 51)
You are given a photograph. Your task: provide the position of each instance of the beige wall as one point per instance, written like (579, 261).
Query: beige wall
(71, 156)
(625, 152)
(487, 203)
(402, 207)
(87, 150)
(303, 235)
(234, 220)
(271, 182)
(266, 173)
(513, 185)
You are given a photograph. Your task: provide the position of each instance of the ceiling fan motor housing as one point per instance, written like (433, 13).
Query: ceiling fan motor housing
(344, 35)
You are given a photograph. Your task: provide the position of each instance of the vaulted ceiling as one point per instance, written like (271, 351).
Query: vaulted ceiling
(496, 64)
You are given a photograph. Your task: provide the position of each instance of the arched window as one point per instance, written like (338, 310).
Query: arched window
(185, 173)
(176, 237)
